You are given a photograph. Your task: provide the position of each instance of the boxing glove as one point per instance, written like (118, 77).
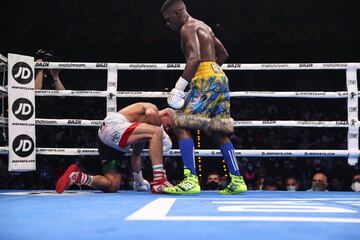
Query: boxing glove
(177, 94)
(140, 184)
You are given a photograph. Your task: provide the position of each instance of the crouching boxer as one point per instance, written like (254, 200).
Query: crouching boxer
(131, 126)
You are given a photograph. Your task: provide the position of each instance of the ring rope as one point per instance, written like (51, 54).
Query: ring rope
(181, 66)
(203, 152)
(242, 123)
(214, 153)
(3, 59)
(144, 94)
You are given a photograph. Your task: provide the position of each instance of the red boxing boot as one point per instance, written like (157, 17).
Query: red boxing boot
(71, 176)
(160, 183)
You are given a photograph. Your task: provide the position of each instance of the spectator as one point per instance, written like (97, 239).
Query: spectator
(250, 175)
(213, 181)
(47, 79)
(292, 184)
(336, 184)
(269, 184)
(42, 75)
(319, 182)
(355, 186)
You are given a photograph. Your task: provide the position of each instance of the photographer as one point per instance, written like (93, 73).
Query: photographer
(47, 106)
(44, 78)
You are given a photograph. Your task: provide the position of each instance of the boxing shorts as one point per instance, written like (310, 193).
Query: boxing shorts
(207, 104)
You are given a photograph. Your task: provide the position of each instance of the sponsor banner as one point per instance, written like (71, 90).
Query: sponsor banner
(206, 152)
(68, 151)
(175, 66)
(181, 66)
(335, 65)
(50, 122)
(101, 65)
(341, 123)
(42, 65)
(112, 77)
(291, 123)
(276, 66)
(289, 94)
(306, 65)
(140, 94)
(21, 97)
(74, 122)
(232, 66)
(72, 93)
(352, 104)
(72, 65)
(130, 93)
(274, 153)
(68, 122)
(244, 123)
(310, 93)
(64, 65)
(145, 66)
(319, 154)
(269, 122)
(260, 92)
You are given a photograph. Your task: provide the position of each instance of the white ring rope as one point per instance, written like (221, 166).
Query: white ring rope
(144, 94)
(3, 59)
(242, 123)
(180, 66)
(203, 152)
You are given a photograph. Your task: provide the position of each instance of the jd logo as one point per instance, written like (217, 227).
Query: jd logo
(23, 109)
(23, 145)
(22, 73)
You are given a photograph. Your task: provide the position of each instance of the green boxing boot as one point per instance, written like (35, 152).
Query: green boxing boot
(237, 185)
(190, 185)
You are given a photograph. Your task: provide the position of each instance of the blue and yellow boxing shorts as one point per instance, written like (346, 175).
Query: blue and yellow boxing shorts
(207, 104)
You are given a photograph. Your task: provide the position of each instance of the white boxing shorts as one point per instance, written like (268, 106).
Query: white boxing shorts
(115, 131)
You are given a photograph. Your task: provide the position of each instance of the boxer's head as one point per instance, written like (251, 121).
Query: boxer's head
(174, 13)
(167, 118)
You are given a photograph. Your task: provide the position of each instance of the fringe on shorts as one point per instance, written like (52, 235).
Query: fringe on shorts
(220, 124)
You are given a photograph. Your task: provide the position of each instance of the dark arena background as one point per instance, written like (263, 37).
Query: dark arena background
(265, 33)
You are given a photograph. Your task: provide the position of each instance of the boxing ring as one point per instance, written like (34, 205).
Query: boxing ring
(127, 214)
(352, 153)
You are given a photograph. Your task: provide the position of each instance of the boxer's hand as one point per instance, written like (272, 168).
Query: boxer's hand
(140, 184)
(167, 143)
(176, 96)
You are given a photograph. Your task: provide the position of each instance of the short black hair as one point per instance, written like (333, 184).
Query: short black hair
(169, 3)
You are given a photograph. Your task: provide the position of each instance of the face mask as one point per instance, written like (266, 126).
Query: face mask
(212, 185)
(291, 188)
(355, 186)
(318, 186)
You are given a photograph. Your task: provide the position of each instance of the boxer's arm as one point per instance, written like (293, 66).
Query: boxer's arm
(191, 42)
(139, 184)
(220, 52)
(135, 156)
(152, 114)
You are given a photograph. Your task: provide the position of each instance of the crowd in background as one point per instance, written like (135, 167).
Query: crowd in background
(252, 31)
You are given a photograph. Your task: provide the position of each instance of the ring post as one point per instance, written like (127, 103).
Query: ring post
(21, 99)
